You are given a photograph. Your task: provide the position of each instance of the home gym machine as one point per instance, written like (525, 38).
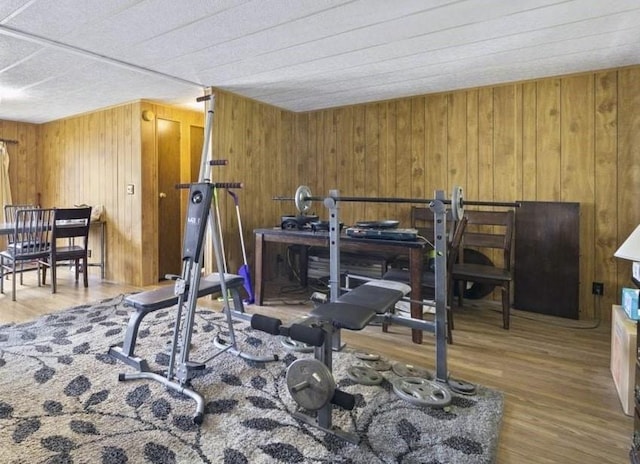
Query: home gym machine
(188, 288)
(310, 381)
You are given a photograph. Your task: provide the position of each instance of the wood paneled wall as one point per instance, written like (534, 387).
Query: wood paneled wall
(90, 159)
(572, 138)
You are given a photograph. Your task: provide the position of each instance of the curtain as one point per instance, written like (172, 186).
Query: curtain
(5, 187)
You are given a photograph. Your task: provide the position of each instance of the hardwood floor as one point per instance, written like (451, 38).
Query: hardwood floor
(561, 405)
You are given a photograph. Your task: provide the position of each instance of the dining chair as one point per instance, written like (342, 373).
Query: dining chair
(29, 244)
(10, 218)
(487, 230)
(71, 226)
(428, 286)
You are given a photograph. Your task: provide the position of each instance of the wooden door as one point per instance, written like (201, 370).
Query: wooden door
(169, 220)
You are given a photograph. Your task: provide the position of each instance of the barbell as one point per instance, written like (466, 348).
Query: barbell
(303, 199)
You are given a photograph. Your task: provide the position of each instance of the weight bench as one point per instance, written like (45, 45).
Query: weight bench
(310, 381)
(165, 297)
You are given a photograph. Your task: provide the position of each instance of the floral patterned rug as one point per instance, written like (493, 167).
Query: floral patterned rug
(61, 402)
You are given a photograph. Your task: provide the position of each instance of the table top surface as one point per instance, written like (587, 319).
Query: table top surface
(318, 236)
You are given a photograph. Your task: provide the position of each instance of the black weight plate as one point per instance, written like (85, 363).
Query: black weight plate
(377, 224)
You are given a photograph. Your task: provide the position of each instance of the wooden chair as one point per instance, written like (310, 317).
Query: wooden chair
(71, 225)
(10, 217)
(428, 275)
(487, 230)
(29, 244)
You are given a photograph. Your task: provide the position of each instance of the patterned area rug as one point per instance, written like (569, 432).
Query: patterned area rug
(61, 402)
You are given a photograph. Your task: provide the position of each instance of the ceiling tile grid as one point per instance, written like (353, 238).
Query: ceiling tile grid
(65, 57)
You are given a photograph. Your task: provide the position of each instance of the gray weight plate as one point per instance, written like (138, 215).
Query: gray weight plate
(295, 345)
(310, 383)
(303, 204)
(364, 375)
(366, 356)
(462, 387)
(421, 392)
(378, 365)
(409, 370)
(457, 203)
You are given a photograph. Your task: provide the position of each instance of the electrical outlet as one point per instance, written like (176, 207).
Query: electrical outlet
(597, 288)
(130, 189)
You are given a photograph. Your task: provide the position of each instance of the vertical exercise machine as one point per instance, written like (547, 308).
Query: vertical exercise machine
(199, 220)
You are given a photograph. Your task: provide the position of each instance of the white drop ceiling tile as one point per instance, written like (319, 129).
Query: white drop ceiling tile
(144, 21)
(13, 50)
(41, 66)
(483, 53)
(348, 36)
(300, 54)
(11, 7)
(56, 19)
(332, 23)
(455, 77)
(246, 19)
(413, 48)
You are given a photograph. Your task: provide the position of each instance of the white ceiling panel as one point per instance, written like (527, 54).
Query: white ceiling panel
(65, 57)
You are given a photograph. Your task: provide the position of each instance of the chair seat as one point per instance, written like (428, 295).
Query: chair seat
(69, 252)
(23, 255)
(481, 272)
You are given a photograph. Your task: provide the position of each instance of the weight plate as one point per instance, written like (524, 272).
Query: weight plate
(295, 345)
(366, 356)
(457, 203)
(364, 375)
(409, 370)
(462, 387)
(310, 383)
(302, 199)
(421, 392)
(379, 365)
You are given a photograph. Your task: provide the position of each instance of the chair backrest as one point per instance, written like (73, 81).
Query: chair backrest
(456, 241)
(72, 223)
(422, 220)
(10, 215)
(32, 236)
(490, 229)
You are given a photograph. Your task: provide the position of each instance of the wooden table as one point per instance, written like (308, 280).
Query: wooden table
(7, 228)
(414, 249)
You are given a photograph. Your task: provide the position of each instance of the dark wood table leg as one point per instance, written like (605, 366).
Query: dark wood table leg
(304, 265)
(259, 267)
(416, 261)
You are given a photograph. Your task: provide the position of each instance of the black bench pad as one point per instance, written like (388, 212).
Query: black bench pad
(373, 295)
(355, 309)
(164, 297)
(344, 315)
